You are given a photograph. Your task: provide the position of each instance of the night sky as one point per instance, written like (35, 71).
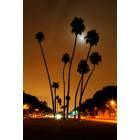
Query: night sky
(53, 17)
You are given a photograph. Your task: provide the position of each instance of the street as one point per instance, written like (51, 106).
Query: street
(50, 129)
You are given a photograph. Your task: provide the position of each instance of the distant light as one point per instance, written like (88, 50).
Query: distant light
(26, 106)
(36, 109)
(75, 112)
(50, 116)
(112, 102)
(58, 116)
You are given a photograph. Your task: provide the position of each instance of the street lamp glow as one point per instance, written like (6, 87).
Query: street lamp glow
(26, 106)
(112, 102)
(58, 116)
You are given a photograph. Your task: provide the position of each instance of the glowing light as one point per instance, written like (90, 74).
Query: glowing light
(75, 112)
(81, 38)
(58, 116)
(112, 102)
(97, 119)
(36, 109)
(50, 116)
(26, 106)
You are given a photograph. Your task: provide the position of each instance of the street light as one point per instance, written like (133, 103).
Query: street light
(26, 106)
(58, 116)
(112, 103)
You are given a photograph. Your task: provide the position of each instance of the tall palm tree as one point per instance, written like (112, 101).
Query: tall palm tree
(83, 68)
(78, 27)
(55, 85)
(40, 37)
(92, 38)
(65, 60)
(95, 59)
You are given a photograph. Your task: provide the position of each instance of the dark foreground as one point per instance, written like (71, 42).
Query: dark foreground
(39, 129)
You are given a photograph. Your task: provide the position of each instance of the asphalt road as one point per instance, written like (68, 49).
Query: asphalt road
(49, 129)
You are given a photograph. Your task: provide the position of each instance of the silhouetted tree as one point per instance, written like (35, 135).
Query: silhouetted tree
(34, 102)
(99, 99)
(55, 85)
(78, 27)
(59, 101)
(57, 97)
(65, 60)
(95, 58)
(40, 37)
(83, 68)
(67, 99)
(92, 38)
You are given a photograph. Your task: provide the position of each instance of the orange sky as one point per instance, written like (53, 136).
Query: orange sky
(53, 17)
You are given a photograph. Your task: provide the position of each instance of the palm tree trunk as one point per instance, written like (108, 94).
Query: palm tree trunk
(64, 89)
(57, 106)
(82, 76)
(69, 75)
(82, 90)
(47, 71)
(55, 99)
(75, 102)
(88, 52)
(87, 60)
(80, 101)
(88, 79)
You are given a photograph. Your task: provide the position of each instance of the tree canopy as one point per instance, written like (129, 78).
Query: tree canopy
(100, 98)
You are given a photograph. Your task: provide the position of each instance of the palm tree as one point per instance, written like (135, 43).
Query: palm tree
(59, 101)
(40, 37)
(95, 59)
(92, 38)
(57, 98)
(65, 60)
(78, 27)
(55, 85)
(83, 68)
